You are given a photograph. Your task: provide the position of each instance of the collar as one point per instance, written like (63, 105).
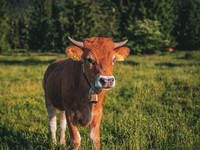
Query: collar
(93, 92)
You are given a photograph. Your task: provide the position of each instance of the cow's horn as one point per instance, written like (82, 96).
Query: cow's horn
(77, 43)
(120, 44)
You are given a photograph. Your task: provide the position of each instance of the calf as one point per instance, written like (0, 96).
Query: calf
(77, 86)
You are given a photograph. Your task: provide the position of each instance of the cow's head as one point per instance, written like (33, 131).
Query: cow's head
(98, 56)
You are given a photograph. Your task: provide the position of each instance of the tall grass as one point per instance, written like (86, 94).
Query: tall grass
(155, 104)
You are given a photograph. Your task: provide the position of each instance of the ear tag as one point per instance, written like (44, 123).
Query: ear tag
(75, 56)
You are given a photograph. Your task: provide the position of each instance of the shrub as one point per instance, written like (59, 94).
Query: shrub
(145, 36)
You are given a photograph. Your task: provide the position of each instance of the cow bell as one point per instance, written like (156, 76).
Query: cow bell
(93, 97)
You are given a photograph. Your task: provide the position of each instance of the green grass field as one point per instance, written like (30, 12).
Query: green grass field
(155, 104)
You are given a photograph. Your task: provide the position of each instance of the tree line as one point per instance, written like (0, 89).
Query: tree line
(149, 25)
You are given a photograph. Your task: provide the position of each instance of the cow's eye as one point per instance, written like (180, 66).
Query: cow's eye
(90, 61)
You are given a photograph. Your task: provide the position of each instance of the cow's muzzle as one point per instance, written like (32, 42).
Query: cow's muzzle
(105, 82)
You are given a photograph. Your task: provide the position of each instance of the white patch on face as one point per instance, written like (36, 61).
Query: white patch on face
(89, 56)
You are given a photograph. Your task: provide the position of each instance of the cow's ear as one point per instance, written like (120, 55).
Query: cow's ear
(122, 53)
(74, 52)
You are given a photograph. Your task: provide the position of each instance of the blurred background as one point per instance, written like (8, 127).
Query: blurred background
(150, 25)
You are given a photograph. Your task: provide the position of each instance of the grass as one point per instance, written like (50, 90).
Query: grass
(155, 104)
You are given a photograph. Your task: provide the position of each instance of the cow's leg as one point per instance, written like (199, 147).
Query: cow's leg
(95, 129)
(63, 124)
(52, 120)
(74, 134)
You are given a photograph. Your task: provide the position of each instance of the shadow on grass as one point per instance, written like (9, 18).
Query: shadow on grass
(15, 139)
(27, 62)
(176, 65)
(132, 63)
(186, 56)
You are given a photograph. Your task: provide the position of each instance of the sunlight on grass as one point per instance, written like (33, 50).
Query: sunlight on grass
(155, 104)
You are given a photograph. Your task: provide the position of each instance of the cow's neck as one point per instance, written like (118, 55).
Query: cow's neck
(85, 110)
(93, 92)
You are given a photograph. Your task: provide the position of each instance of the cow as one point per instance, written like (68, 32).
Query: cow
(76, 86)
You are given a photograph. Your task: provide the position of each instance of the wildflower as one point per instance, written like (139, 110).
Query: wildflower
(144, 119)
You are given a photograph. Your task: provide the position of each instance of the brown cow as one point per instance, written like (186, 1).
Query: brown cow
(77, 86)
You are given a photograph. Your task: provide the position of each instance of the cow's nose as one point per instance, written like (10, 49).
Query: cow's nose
(107, 81)
(102, 81)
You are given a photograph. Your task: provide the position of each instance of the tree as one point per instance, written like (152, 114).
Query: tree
(41, 25)
(4, 27)
(187, 29)
(19, 23)
(157, 14)
(90, 18)
(126, 14)
(45, 25)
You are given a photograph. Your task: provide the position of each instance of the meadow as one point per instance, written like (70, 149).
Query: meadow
(155, 104)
